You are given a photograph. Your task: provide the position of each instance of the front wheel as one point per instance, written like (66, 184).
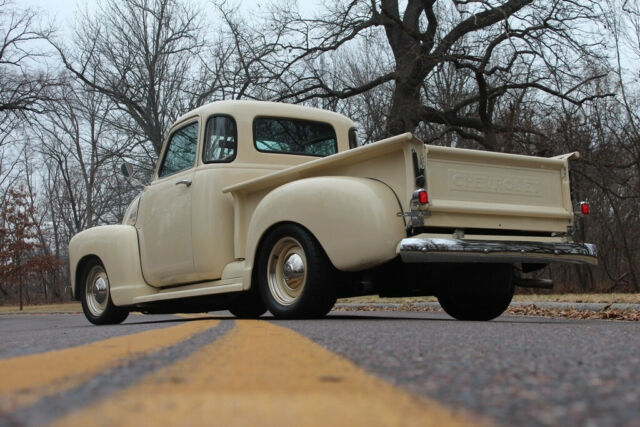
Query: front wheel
(96, 296)
(295, 277)
(477, 291)
(248, 305)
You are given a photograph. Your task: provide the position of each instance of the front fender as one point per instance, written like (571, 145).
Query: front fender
(117, 248)
(354, 219)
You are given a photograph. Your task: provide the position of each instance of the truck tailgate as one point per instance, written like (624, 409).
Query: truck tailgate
(481, 190)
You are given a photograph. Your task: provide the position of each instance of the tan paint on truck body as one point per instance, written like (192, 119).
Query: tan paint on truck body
(202, 238)
(117, 248)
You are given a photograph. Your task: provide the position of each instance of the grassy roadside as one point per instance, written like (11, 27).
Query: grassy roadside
(591, 298)
(530, 309)
(72, 307)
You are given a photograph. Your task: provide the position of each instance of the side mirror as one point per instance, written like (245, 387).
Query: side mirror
(127, 169)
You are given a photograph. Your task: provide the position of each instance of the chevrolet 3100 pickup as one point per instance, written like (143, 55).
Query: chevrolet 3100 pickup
(259, 206)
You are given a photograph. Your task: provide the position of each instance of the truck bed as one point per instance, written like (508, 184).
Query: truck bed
(482, 192)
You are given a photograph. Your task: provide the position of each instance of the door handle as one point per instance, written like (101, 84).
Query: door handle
(186, 182)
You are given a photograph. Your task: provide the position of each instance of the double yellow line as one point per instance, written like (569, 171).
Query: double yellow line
(257, 374)
(26, 379)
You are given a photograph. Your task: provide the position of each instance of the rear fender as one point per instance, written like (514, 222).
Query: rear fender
(117, 248)
(354, 219)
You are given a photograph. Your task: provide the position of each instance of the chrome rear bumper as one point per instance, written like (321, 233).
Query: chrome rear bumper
(419, 249)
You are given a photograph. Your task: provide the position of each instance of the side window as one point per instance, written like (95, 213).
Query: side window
(220, 139)
(294, 136)
(181, 152)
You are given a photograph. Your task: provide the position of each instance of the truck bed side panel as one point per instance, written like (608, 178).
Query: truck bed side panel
(388, 161)
(354, 219)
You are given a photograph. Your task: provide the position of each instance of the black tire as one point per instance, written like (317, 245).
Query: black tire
(477, 291)
(248, 305)
(95, 296)
(295, 277)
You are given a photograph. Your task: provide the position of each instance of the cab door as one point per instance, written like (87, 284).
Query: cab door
(164, 217)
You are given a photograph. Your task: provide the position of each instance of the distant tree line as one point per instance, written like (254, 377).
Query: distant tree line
(541, 77)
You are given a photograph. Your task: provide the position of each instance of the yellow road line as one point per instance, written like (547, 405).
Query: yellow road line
(26, 379)
(263, 374)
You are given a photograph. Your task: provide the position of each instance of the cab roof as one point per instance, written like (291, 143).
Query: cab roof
(267, 108)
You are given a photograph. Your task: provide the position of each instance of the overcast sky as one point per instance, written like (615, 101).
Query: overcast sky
(63, 11)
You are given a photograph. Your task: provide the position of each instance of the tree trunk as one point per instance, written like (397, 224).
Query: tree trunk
(27, 296)
(404, 115)
(44, 289)
(625, 245)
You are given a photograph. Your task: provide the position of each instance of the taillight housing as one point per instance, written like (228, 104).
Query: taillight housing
(584, 208)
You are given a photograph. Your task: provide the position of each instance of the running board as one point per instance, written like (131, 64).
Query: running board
(207, 288)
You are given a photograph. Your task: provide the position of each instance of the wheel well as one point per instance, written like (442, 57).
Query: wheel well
(80, 269)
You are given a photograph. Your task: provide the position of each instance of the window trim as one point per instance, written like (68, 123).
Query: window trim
(166, 150)
(353, 131)
(204, 135)
(255, 142)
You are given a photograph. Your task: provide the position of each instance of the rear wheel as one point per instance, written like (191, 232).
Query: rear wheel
(96, 296)
(477, 291)
(295, 277)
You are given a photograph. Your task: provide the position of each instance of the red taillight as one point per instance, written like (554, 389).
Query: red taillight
(423, 197)
(584, 208)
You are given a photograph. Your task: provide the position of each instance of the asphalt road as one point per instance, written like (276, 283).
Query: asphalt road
(370, 368)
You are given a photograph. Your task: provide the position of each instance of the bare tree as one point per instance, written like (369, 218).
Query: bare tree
(499, 49)
(19, 257)
(611, 169)
(140, 54)
(80, 148)
(22, 85)
(24, 82)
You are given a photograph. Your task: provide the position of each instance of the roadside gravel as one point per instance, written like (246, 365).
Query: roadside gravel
(543, 305)
(613, 311)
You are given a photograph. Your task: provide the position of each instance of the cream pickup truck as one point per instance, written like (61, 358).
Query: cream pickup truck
(259, 206)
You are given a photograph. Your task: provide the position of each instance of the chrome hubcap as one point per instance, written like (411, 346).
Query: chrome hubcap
(97, 290)
(100, 290)
(287, 272)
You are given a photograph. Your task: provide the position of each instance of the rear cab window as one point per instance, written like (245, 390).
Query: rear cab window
(294, 136)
